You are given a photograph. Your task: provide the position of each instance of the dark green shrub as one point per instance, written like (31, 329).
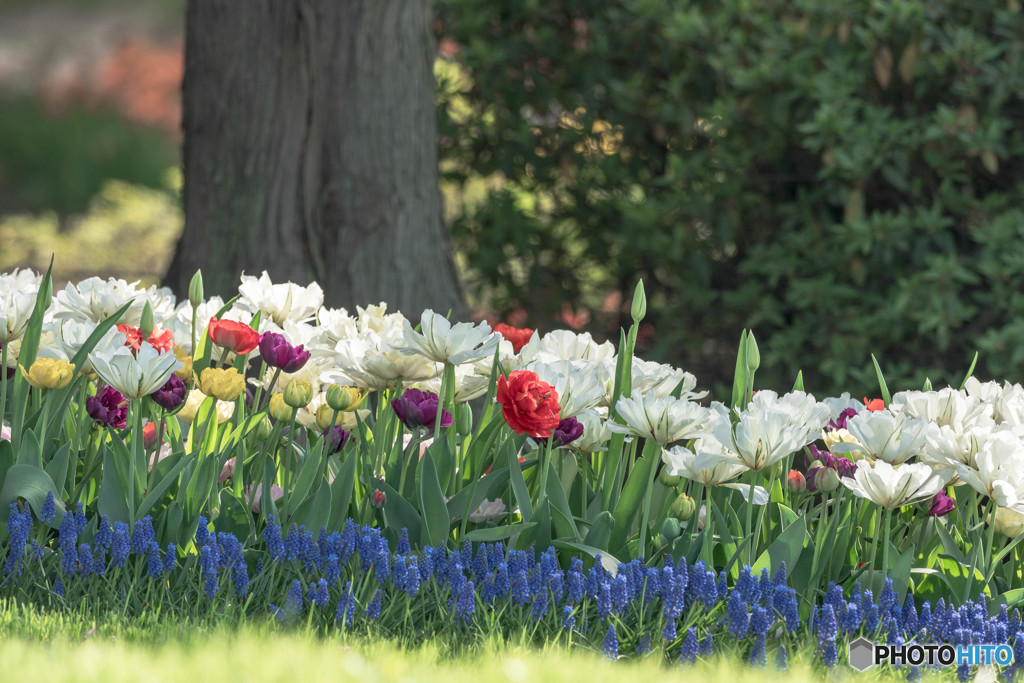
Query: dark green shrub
(60, 162)
(844, 177)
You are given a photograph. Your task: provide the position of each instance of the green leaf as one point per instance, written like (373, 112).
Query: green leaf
(435, 510)
(32, 484)
(57, 468)
(565, 527)
(234, 517)
(785, 548)
(31, 451)
(632, 498)
(498, 533)
(163, 485)
(519, 485)
(341, 491)
(113, 501)
(608, 561)
(6, 459)
(472, 497)
(315, 511)
(739, 381)
(538, 537)
(886, 396)
(399, 514)
(970, 371)
(600, 531)
(303, 483)
(798, 385)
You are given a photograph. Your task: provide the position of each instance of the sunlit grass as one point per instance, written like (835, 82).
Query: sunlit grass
(68, 647)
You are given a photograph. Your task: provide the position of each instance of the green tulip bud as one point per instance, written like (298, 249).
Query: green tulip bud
(666, 479)
(298, 393)
(639, 308)
(753, 355)
(683, 508)
(195, 290)
(670, 531)
(146, 326)
(344, 398)
(464, 425)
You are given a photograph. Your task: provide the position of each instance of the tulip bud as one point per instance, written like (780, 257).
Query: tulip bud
(826, 479)
(639, 308)
(344, 398)
(195, 290)
(666, 479)
(325, 417)
(279, 410)
(263, 429)
(378, 499)
(796, 481)
(298, 393)
(150, 439)
(753, 358)
(146, 324)
(683, 508)
(941, 505)
(260, 433)
(670, 530)
(464, 417)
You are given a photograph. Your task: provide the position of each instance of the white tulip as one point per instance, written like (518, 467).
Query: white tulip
(661, 420)
(279, 302)
(880, 435)
(893, 487)
(136, 375)
(442, 342)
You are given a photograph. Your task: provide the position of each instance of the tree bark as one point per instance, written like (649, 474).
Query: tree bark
(310, 151)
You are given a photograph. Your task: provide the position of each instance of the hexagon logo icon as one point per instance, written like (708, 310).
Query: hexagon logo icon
(862, 654)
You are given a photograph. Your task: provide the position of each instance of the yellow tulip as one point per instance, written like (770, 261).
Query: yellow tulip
(49, 373)
(225, 384)
(185, 373)
(279, 410)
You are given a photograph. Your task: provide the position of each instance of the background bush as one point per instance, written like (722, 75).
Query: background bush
(844, 177)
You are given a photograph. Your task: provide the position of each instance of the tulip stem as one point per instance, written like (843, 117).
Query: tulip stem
(270, 389)
(886, 523)
(650, 451)
(3, 383)
(156, 451)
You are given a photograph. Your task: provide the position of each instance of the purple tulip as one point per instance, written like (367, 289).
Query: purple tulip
(942, 505)
(108, 407)
(171, 394)
(416, 408)
(278, 353)
(840, 422)
(567, 431)
(338, 438)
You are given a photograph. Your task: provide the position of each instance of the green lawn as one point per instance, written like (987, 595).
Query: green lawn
(36, 646)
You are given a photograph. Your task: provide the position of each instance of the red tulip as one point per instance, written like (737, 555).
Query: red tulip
(235, 336)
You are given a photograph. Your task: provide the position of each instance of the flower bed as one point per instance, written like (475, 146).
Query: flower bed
(450, 436)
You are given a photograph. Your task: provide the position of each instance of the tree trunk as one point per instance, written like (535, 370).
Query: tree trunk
(310, 151)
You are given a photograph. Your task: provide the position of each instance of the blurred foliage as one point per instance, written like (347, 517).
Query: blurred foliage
(60, 162)
(128, 231)
(843, 177)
